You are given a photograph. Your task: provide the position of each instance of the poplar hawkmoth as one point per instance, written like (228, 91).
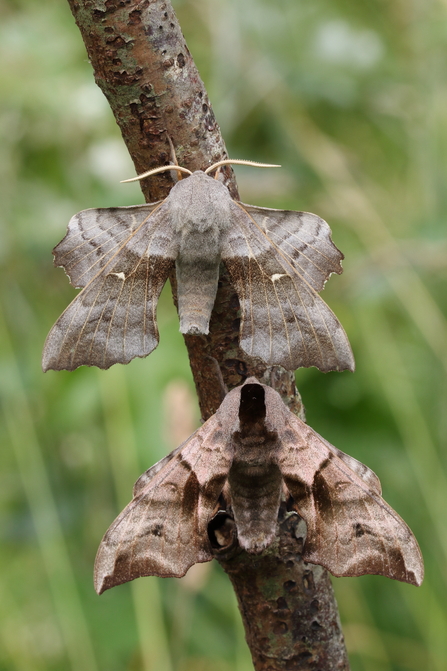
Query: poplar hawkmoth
(253, 453)
(278, 261)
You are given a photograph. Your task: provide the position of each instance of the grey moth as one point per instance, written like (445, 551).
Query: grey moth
(278, 261)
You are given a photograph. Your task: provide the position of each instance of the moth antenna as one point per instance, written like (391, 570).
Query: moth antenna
(237, 161)
(162, 168)
(174, 156)
(216, 176)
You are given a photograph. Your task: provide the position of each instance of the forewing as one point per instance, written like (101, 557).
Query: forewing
(148, 475)
(163, 530)
(351, 530)
(283, 319)
(113, 319)
(366, 474)
(94, 237)
(304, 239)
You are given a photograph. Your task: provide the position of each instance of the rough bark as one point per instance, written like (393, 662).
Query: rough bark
(142, 64)
(288, 607)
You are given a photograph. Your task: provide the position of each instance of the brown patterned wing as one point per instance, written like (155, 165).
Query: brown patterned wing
(95, 236)
(366, 474)
(163, 530)
(151, 472)
(351, 530)
(283, 319)
(113, 319)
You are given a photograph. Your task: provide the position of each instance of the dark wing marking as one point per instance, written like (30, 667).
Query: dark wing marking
(113, 319)
(304, 239)
(94, 236)
(351, 530)
(365, 473)
(283, 319)
(163, 530)
(145, 478)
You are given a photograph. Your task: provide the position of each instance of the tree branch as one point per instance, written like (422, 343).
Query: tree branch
(288, 606)
(142, 64)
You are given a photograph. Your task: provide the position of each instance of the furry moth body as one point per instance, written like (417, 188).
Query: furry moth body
(278, 261)
(251, 451)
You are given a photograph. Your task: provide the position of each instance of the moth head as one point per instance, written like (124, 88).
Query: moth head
(252, 403)
(260, 405)
(199, 202)
(253, 427)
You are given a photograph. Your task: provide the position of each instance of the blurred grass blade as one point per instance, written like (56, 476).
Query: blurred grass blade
(398, 388)
(357, 618)
(429, 473)
(126, 469)
(14, 649)
(19, 424)
(428, 611)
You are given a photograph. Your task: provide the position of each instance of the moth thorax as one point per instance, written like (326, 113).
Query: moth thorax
(252, 439)
(200, 247)
(256, 432)
(199, 203)
(191, 222)
(255, 448)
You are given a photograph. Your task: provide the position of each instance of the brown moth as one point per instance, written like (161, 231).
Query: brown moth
(277, 260)
(253, 451)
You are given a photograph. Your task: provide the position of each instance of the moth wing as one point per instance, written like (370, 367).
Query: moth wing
(145, 478)
(283, 319)
(113, 319)
(365, 473)
(304, 239)
(94, 236)
(163, 530)
(351, 530)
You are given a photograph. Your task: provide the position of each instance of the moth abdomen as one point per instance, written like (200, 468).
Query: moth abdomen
(196, 291)
(255, 497)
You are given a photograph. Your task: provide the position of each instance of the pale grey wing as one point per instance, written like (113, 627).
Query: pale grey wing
(113, 319)
(351, 530)
(164, 529)
(95, 236)
(283, 319)
(304, 239)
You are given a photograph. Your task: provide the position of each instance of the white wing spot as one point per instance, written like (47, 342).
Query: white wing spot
(264, 222)
(120, 276)
(277, 276)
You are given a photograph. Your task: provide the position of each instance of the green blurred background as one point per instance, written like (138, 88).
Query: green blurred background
(350, 97)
